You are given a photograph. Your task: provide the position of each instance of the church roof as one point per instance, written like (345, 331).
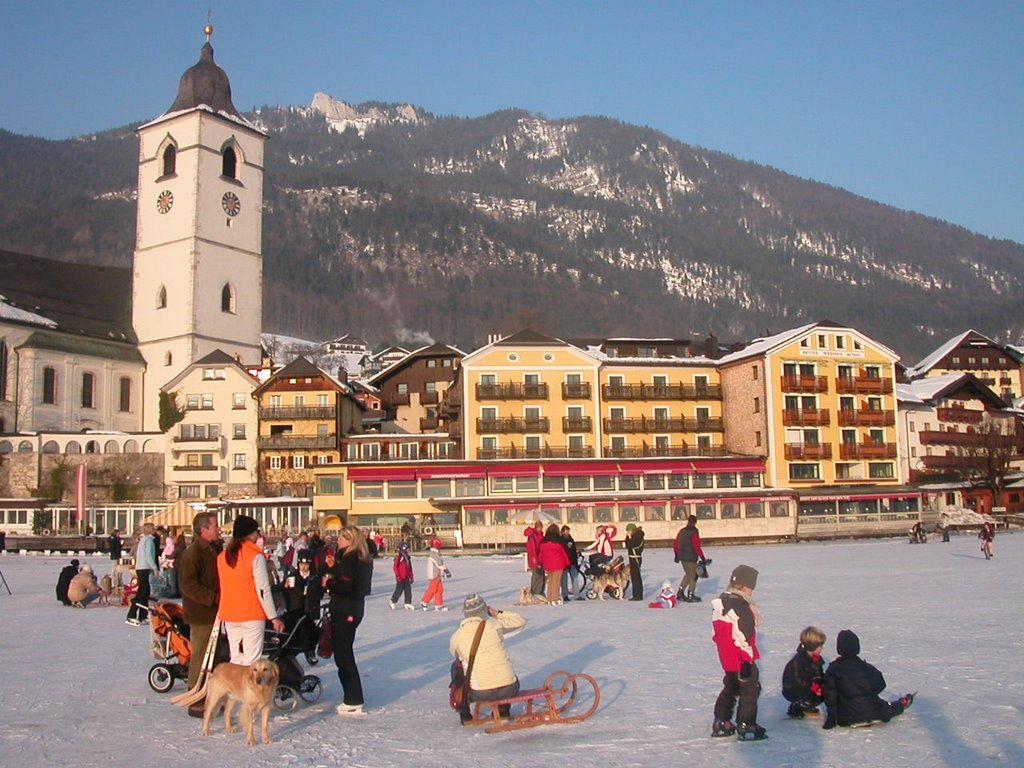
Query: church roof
(73, 298)
(205, 83)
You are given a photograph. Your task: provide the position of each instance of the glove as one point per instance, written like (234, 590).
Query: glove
(745, 670)
(704, 561)
(830, 723)
(816, 688)
(447, 573)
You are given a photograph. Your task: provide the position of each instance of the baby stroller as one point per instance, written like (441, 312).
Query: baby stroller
(597, 567)
(301, 635)
(170, 644)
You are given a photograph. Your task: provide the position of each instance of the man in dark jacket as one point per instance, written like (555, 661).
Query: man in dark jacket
(67, 573)
(200, 592)
(852, 687)
(688, 551)
(634, 544)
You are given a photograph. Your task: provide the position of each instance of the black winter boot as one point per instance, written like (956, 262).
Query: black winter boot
(751, 732)
(722, 728)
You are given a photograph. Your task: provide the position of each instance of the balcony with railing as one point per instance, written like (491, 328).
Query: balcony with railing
(867, 450)
(642, 424)
(428, 398)
(576, 390)
(949, 462)
(513, 424)
(296, 442)
(279, 412)
(795, 382)
(543, 452)
(959, 415)
(663, 451)
(200, 473)
(808, 451)
(807, 417)
(661, 392)
(849, 417)
(428, 422)
(511, 390)
(182, 441)
(398, 398)
(876, 385)
(577, 424)
(940, 437)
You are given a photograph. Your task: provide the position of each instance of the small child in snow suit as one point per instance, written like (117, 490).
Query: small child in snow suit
(402, 567)
(435, 572)
(803, 676)
(666, 598)
(852, 686)
(734, 621)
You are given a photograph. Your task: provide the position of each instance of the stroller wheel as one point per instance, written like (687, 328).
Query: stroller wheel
(161, 678)
(285, 698)
(591, 593)
(310, 688)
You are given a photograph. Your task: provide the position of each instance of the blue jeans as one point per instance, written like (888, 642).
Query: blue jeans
(571, 574)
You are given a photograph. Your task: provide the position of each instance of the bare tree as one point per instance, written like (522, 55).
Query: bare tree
(999, 441)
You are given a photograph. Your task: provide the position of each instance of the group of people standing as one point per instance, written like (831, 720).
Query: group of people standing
(233, 584)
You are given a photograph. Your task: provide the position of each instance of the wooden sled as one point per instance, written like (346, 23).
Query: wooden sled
(552, 703)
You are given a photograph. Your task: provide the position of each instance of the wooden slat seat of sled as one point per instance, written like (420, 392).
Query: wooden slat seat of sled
(544, 705)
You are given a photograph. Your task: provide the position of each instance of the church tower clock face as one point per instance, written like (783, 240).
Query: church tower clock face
(164, 201)
(231, 204)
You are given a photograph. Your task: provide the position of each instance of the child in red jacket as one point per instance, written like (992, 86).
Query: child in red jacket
(403, 577)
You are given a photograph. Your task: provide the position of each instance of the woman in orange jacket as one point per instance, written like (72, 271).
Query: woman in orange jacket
(245, 599)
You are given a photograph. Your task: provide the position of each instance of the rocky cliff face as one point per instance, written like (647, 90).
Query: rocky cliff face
(391, 223)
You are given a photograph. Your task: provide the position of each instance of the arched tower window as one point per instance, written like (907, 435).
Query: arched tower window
(227, 299)
(168, 359)
(229, 166)
(169, 161)
(161, 298)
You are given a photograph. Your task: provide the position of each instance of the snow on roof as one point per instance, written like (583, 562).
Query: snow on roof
(10, 312)
(205, 108)
(929, 362)
(923, 390)
(764, 345)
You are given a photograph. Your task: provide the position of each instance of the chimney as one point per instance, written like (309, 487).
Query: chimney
(342, 375)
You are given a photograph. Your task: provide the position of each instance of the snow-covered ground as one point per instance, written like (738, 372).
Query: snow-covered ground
(937, 619)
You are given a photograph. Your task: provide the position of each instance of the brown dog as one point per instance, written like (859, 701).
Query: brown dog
(253, 686)
(525, 598)
(617, 580)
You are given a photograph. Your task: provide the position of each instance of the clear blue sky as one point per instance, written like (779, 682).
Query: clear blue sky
(918, 104)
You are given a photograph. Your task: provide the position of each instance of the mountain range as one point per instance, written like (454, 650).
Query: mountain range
(400, 226)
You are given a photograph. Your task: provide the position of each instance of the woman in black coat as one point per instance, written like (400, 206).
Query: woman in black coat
(346, 580)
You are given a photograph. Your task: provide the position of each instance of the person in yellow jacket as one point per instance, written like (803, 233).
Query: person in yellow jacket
(245, 599)
(492, 677)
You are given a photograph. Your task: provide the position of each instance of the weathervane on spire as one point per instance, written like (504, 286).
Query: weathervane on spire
(208, 29)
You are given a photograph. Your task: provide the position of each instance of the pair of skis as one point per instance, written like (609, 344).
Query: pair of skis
(197, 692)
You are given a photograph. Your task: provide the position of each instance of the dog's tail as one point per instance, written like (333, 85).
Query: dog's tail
(197, 692)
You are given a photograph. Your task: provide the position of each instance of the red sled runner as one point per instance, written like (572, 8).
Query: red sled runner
(548, 705)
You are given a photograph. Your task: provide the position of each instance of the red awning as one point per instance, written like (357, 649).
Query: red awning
(460, 472)
(728, 465)
(514, 470)
(381, 473)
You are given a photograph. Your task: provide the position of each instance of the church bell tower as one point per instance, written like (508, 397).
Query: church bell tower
(198, 264)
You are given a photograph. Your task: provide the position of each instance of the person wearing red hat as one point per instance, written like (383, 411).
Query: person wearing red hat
(435, 572)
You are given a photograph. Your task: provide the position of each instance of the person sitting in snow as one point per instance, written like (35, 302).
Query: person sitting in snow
(666, 598)
(67, 573)
(803, 677)
(852, 686)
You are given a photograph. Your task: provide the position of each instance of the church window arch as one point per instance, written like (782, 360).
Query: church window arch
(49, 385)
(168, 359)
(168, 158)
(161, 298)
(227, 299)
(229, 162)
